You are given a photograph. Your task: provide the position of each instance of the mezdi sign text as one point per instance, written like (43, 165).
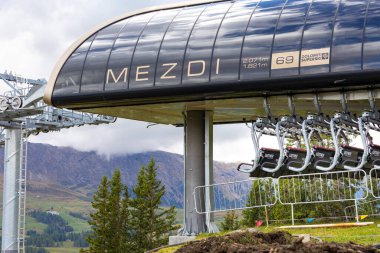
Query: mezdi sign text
(194, 68)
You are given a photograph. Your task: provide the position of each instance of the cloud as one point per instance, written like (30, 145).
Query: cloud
(124, 136)
(231, 142)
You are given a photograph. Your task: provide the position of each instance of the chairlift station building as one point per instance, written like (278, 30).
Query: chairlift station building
(205, 62)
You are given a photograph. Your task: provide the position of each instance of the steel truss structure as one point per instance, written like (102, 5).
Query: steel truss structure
(22, 113)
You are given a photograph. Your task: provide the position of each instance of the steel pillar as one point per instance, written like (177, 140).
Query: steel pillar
(12, 160)
(198, 170)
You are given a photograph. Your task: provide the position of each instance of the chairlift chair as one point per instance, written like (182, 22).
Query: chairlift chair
(272, 162)
(267, 161)
(262, 156)
(299, 159)
(371, 152)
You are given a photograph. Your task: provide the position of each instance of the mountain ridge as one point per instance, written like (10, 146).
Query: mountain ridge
(82, 171)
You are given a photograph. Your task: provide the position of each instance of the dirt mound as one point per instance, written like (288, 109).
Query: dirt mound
(275, 242)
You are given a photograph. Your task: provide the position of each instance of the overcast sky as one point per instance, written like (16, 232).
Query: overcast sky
(35, 33)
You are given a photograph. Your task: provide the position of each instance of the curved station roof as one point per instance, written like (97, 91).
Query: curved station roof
(223, 56)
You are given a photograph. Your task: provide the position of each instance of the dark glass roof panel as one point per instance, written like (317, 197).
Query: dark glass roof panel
(94, 69)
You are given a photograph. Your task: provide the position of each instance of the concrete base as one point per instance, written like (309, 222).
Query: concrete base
(178, 239)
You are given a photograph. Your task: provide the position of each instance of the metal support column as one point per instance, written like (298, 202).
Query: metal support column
(12, 159)
(198, 170)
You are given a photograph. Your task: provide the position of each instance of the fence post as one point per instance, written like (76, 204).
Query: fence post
(266, 216)
(292, 208)
(356, 211)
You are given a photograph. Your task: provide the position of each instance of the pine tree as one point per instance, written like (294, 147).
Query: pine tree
(114, 214)
(110, 221)
(99, 239)
(230, 221)
(150, 223)
(126, 242)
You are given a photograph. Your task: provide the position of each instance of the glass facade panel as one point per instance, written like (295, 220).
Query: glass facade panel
(170, 60)
(227, 49)
(346, 51)
(287, 41)
(97, 57)
(371, 50)
(351, 9)
(255, 61)
(316, 36)
(146, 52)
(197, 62)
(373, 8)
(118, 68)
(322, 11)
(68, 80)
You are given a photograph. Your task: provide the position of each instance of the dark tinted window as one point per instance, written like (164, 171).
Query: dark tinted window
(226, 55)
(169, 65)
(69, 78)
(287, 41)
(347, 45)
(255, 61)
(371, 54)
(199, 49)
(118, 68)
(97, 57)
(146, 52)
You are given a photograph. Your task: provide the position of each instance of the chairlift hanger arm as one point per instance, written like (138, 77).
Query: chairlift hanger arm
(256, 132)
(366, 146)
(334, 134)
(307, 139)
(280, 142)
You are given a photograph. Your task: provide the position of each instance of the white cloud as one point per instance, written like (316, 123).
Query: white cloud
(124, 136)
(35, 33)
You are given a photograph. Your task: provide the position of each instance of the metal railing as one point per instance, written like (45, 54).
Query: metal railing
(322, 187)
(235, 195)
(374, 179)
(366, 208)
(348, 185)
